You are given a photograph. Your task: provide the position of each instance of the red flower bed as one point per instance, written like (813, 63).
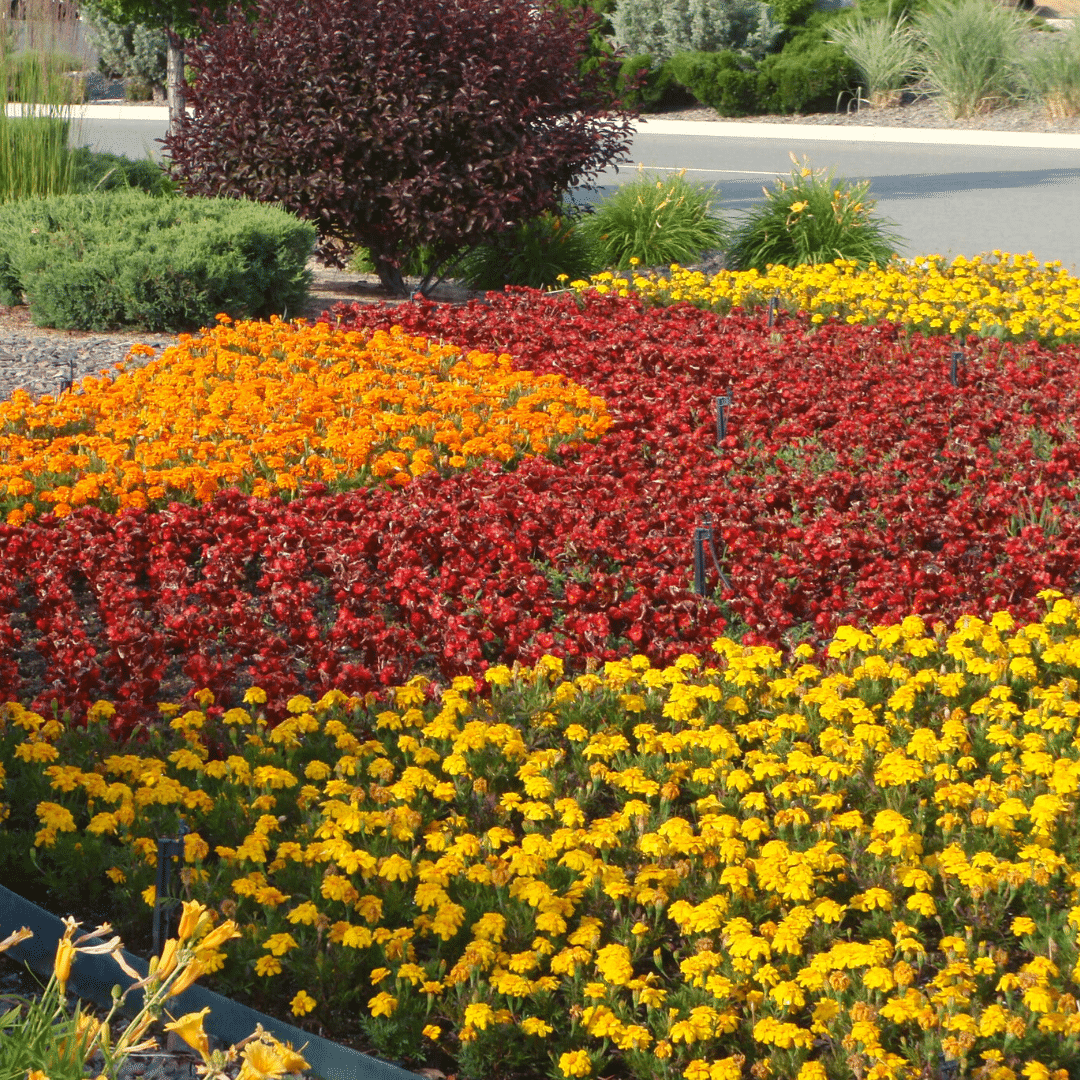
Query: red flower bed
(855, 484)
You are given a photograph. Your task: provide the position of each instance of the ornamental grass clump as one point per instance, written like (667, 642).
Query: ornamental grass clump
(272, 407)
(857, 861)
(970, 53)
(811, 220)
(884, 50)
(34, 157)
(1051, 73)
(655, 222)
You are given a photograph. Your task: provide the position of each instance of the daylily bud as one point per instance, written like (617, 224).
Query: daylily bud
(65, 953)
(193, 912)
(168, 958)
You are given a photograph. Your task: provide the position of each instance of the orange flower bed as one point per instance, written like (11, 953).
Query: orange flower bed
(270, 407)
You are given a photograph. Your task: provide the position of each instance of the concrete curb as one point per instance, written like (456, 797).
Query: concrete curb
(93, 977)
(857, 133)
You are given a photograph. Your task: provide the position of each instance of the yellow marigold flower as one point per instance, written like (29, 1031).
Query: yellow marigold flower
(533, 1025)
(575, 1063)
(267, 966)
(302, 1003)
(383, 1004)
(279, 944)
(613, 962)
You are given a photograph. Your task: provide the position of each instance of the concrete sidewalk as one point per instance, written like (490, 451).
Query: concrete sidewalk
(648, 125)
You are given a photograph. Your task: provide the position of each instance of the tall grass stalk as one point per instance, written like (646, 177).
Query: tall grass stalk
(971, 54)
(1051, 73)
(884, 50)
(36, 53)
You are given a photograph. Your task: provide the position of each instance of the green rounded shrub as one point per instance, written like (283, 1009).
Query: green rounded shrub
(809, 75)
(648, 86)
(723, 80)
(113, 259)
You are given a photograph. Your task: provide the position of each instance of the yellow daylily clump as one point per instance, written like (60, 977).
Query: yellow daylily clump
(271, 407)
(40, 1037)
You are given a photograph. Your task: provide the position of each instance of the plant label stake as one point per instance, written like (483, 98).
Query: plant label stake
(773, 301)
(722, 405)
(702, 534)
(164, 904)
(954, 366)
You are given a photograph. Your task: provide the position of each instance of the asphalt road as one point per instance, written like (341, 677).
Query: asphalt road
(944, 198)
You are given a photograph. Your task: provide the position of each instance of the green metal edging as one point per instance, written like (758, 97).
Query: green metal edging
(93, 977)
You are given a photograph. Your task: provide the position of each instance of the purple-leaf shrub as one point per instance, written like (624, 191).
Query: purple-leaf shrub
(394, 124)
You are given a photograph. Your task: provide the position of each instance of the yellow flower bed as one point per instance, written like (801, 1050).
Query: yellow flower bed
(269, 407)
(865, 867)
(1010, 296)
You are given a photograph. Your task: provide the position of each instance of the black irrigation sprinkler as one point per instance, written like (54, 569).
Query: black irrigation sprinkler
(69, 382)
(954, 365)
(169, 850)
(704, 534)
(722, 405)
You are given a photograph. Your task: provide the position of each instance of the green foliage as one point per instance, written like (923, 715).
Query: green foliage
(534, 254)
(123, 258)
(807, 76)
(36, 73)
(126, 49)
(599, 54)
(971, 54)
(663, 28)
(181, 15)
(33, 157)
(657, 222)
(791, 12)
(645, 85)
(724, 81)
(33, 149)
(94, 170)
(416, 264)
(809, 221)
